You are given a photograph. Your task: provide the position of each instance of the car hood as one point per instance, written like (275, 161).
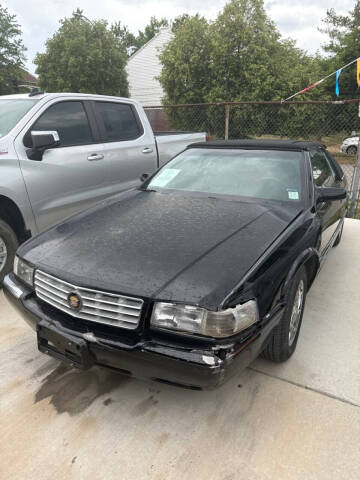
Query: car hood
(350, 140)
(173, 247)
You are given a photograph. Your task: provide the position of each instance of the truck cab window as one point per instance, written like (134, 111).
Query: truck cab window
(68, 119)
(119, 121)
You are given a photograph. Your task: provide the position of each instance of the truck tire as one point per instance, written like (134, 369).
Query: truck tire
(8, 246)
(282, 343)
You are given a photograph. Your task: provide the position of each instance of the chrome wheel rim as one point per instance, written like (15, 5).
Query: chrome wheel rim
(296, 312)
(3, 254)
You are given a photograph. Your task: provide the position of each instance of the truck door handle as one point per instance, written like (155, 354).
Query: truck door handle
(147, 150)
(95, 156)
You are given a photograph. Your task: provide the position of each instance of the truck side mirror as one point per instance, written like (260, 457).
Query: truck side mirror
(144, 176)
(41, 141)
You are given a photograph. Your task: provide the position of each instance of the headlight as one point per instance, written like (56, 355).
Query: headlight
(24, 271)
(186, 318)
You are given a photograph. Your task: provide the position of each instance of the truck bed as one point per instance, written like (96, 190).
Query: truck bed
(170, 144)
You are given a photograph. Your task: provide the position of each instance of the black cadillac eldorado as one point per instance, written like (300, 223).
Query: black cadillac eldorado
(188, 278)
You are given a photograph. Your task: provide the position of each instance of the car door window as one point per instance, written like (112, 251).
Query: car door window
(119, 121)
(69, 119)
(322, 171)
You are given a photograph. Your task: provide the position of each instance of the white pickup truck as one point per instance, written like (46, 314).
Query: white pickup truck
(61, 152)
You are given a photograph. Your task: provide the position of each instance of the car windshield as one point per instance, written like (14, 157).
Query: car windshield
(264, 174)
(11, 111)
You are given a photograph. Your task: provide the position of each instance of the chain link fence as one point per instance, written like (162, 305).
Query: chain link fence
(324, 121)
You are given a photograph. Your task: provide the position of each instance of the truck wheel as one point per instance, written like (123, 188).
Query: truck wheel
(282, 343)
(8, 246)
(351, 150)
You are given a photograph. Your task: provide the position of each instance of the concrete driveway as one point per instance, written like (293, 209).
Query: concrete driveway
(299, 420)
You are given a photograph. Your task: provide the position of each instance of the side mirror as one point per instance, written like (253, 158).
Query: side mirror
(144, 176)
(329, 194)
(41, 141)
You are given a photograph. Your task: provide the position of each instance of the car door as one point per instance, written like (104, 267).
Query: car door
(71, 176)
(324, 175)
(129, 149)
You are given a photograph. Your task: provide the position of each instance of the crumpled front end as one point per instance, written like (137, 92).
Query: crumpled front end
(141, 354)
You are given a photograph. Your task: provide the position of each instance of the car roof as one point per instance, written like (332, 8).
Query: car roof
(296, 145)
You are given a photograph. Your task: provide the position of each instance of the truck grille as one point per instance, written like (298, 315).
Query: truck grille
(95, 306)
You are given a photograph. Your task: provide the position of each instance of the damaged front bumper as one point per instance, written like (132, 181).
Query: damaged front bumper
(152, 359)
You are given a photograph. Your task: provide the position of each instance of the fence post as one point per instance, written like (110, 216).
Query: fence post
(227, 115)
(355, 183)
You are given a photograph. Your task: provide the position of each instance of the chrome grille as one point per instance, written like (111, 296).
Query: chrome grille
(96, 306)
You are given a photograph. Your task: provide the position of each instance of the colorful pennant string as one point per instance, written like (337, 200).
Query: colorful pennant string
(337, 82)
(337, 73)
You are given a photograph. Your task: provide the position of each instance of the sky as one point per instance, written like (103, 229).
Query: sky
(39, 19)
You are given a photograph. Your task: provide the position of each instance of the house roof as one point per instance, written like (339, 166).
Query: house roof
(144, 68)
(152, 40)
(28, 77)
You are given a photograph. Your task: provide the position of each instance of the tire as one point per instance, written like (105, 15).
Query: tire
(284, 337)
(8, 246)
(352, 150)
(338, 238)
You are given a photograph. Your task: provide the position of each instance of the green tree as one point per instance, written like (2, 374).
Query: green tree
(11, 52)
(343, 47)
(186, 63)
(185, 73)
(127, 38)
(238, 57)
(83, 56)
(250, 60)
(179, 22)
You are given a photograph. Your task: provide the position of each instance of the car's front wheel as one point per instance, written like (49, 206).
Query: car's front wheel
(8, 246)
(351, 150)
(282, 343)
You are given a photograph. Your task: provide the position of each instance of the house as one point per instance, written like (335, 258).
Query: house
(144, 66)
(28, 78)
(13, 82)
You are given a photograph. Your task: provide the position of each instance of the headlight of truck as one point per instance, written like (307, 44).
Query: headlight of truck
(186, 318)
(24, 271)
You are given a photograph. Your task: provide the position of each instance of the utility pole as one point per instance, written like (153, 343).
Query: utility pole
(227, 115)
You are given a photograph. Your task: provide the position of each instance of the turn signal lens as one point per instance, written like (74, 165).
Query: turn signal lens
(24, 271)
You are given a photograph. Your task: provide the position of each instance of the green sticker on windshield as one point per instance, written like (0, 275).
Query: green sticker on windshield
(164, 177)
